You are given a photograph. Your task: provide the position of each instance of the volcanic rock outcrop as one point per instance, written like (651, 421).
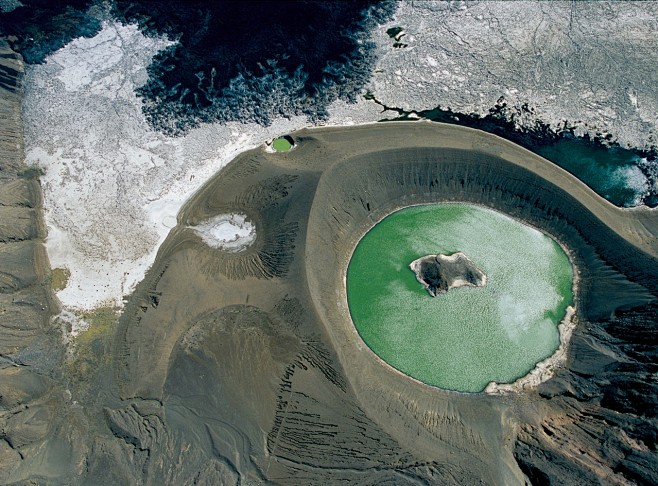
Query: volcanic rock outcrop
(440, 273)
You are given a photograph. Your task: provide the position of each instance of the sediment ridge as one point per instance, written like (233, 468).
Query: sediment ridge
(30, 351)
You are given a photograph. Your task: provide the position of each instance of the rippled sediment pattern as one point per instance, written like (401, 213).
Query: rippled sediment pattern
(468, 337)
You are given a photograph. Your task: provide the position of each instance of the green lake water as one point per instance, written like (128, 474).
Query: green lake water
(468, 337)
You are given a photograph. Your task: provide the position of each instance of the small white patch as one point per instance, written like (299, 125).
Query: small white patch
(229, 232)
(72, 325)
(632, 96)
(634, 179)
(515, 314)
(7, 6)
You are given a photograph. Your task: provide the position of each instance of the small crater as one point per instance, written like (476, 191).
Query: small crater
(228, 232)
(283, 144)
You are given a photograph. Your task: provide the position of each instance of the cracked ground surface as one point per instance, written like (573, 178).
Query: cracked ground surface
(591, 64)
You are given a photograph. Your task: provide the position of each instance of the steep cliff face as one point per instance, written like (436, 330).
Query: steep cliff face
(601, 422)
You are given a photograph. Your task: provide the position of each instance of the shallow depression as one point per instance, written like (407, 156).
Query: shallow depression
(468, 337)
(229, 232)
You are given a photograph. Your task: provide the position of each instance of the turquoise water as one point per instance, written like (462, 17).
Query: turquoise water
(468, 337)
(611, 172)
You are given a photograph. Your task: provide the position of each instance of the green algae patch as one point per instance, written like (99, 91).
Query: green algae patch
(59, 278)
(283, 144)
(101, 321)
(468, 337)
(89, 347)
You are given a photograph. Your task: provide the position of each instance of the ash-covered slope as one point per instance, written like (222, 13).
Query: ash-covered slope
(31, 391)
(244, 367)
(231, 367)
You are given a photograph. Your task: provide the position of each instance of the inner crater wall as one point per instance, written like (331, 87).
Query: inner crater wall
(355, 194)
(267, 331)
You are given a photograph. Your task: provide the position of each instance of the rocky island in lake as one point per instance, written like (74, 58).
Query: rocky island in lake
(440, 273)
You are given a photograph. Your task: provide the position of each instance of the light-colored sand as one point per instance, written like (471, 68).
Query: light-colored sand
(113, 186)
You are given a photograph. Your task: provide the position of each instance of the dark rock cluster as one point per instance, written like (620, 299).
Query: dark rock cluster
(440, 273)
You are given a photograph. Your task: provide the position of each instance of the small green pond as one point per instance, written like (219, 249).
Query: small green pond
(282, 144)
(468, 337)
